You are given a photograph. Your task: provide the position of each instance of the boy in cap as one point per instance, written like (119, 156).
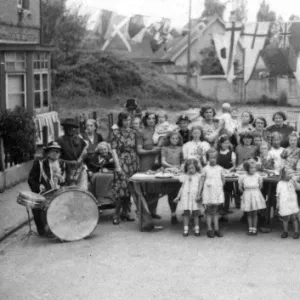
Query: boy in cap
(183, 122)
(45, 175)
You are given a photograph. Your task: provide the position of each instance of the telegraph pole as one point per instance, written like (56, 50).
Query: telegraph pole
(188, 79)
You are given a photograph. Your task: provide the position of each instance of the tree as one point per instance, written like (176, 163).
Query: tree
(241, 11)
(210, 64)
(63, 28)
(213, 7)
(265, 14)
(294, 18)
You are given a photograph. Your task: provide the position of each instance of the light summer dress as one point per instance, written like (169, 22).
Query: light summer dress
(252, 198)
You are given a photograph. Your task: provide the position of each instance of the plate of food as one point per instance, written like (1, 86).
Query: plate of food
(164, 175)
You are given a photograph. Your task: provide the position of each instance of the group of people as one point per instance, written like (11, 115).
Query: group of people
(204, 150)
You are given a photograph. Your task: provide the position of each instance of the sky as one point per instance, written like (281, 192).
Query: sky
(176, 10)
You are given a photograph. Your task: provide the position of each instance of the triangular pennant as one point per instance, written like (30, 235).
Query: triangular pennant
(136, 24)
(118, 26)
(284, 34)
(103, 22)
(226, 47)
(297, 71)
(140, 36)
(254, 38)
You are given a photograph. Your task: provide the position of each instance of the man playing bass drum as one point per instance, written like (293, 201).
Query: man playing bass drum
(45, 175)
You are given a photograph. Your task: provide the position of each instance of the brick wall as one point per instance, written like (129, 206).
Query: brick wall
(10, 26)
(14, 33)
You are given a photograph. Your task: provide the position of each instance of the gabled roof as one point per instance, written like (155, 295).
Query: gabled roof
(196, 32)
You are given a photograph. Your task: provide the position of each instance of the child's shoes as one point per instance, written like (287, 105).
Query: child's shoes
(210, 234)
(296, 235)
(185, 233)
(218, 233)
(284, 235)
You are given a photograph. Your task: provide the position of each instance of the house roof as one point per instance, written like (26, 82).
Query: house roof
(196, 32)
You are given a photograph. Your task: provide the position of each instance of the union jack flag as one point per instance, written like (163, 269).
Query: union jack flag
(284, 34)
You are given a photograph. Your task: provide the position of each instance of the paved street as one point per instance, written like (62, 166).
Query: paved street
(119, 262)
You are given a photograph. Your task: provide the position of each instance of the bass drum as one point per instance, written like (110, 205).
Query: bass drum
(72, 213)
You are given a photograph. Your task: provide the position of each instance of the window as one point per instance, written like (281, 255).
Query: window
(15, 61)
(24, 4)
(16, 91)
(41, 89)
(40, 61)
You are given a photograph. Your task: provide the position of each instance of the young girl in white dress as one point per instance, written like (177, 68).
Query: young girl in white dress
(252, 199)
(287, 203)
(195, 148)
(189, 195)
(212, 182)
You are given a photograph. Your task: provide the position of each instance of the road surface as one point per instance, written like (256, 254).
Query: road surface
(119, 262)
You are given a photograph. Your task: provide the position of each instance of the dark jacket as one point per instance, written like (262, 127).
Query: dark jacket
(285, 130)
(97, 139)
(93, 164)
(72, 147)
(186, 135)
(36, 176)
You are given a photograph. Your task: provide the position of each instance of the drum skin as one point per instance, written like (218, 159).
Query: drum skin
(32, 200)
(72, 214)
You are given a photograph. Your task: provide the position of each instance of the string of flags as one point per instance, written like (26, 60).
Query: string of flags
(252, 38)
(133, 30)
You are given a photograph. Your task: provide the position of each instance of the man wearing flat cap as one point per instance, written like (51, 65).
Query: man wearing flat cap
(73, 147)
(46, 175)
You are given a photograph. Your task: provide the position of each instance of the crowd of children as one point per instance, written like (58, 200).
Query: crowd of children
(208, 150)
(240, 146)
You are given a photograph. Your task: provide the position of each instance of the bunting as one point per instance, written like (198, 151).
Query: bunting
(136, 25)
(159, 32)
(254, 38)
(226, 47)
(118, 25)
(103, 22)
(284, 34)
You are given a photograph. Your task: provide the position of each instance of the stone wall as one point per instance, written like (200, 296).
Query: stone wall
(219, 89)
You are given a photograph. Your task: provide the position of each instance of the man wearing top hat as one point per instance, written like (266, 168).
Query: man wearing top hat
(46, 175)
(73, 148)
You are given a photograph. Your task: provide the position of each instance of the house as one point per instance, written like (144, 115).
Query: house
(25, 61)
(201, 37)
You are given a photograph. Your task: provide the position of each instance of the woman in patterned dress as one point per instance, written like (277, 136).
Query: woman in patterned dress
(123, 143)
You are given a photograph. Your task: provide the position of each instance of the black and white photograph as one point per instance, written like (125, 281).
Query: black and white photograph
(149, 149)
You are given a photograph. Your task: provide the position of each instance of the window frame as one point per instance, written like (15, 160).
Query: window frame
(25, 88)
(15, 61)
(22, 4)
(41, 90)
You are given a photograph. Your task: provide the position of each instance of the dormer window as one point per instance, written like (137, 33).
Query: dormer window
(23, 4)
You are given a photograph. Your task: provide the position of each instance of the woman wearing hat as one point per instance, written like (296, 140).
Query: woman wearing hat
(45, 175)
(73, 147)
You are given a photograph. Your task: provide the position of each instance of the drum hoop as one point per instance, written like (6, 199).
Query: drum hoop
(72, 188)
(63, 190)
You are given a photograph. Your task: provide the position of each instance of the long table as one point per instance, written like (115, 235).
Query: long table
(140, 179)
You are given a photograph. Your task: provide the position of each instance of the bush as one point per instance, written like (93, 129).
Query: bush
(17, 129)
